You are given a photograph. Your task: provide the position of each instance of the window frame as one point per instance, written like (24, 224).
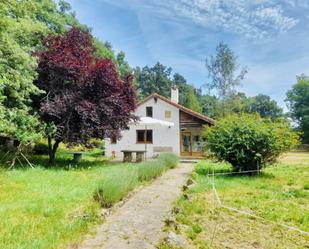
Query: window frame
(147, 109)
(168, 114)
(144, 136)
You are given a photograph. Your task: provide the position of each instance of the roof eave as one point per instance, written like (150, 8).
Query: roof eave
(184, 109)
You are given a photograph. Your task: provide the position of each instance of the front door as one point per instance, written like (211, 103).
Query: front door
(185, 144)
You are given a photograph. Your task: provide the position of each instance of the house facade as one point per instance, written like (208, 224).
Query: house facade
(183, 137)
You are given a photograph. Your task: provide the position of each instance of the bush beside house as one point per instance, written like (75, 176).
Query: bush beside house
(249, 142)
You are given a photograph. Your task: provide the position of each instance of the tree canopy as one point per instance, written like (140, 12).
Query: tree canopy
(264, 105)
(23, 24)
(160, 79)
(153, 79)
(298, 103)
(84, 95)
(221, 69)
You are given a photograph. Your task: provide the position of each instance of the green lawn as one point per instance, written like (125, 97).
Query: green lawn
(279, 195)
(54, 207)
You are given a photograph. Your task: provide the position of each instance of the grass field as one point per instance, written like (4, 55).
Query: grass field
(280, 195)
(54, 207)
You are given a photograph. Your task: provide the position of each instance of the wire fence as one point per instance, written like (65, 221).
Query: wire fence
(235, 173)
(222, 205)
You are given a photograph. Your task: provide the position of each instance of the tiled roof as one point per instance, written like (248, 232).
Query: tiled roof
(180, 107)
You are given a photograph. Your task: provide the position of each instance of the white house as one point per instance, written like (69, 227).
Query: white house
(182, 137)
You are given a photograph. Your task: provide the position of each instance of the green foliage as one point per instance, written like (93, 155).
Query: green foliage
(298, 103)
(238, 102)
(120, 181)
(159, 79)
(221, 70)
(153, 79)
(103, 50)
(263, 105)
(248, 142)
(22, 25)
(40, 149)
(210, 105)
(193, 103)
(122, 65)
(19, 125)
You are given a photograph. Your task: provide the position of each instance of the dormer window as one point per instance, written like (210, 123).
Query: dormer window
(149, 111)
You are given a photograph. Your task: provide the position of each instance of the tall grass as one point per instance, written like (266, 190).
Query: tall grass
(53, 207)
(278, 195)
(117, 184)
(151, 169)
(120, 181)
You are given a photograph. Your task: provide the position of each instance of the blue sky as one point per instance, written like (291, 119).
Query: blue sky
(270, 37)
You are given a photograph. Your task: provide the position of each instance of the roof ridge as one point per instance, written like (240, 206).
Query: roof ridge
(181, 107)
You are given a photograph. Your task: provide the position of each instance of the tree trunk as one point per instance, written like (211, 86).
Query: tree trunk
(52, 149)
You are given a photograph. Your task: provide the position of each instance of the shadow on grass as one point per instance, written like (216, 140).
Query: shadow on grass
(236, 175)
(64, 160)
(67, 162)
(225, 170)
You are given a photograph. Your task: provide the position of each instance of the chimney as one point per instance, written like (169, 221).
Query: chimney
(174, 94)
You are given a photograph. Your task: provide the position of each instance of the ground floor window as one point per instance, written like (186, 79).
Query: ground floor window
(196, 145)
(144, 136)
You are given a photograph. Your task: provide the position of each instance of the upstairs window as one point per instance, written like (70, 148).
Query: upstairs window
(144, 136)
(168, 114)
(149, 111)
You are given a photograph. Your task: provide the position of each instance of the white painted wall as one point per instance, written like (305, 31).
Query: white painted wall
(162, 136)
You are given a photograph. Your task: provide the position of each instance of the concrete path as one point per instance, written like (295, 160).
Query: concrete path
(138, 223)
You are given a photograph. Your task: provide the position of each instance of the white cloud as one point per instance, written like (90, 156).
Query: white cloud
(250, 18)
(254, 19)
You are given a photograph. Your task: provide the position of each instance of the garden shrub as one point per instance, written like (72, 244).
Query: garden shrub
(120, 181)
(153, 168)
(248, 141)
(115, 185)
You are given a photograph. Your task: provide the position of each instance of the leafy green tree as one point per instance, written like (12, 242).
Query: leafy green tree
(158, 79)
(193, 102)
(23, 24)
(248, 141)
(210, 105)
(221, 70)
(104, 49)
(235, 102)
(153, 79)
(263, 105)
(298, 103)
(183, 87)
(122, 65)
(189, 96)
